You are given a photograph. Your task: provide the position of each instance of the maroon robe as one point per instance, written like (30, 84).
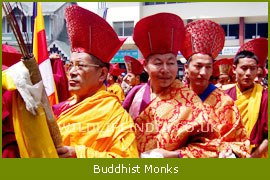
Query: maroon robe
(61, 107)
(144, 102)
(60, 78)
(9, 144)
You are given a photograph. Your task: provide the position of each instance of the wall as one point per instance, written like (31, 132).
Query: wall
(197, 10)
(58, 21)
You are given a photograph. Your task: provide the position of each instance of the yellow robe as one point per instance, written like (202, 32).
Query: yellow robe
(249, 103)
(99, 127)
(117, 90)
(175, 121)
(32, 132)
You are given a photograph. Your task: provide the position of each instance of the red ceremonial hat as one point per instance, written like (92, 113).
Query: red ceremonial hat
(133, 65)
(223, 66)
(257, 46)
(158, 34)
(141, 61)
(115, 70)
(89, 33)
(10, 55)
(203, 36)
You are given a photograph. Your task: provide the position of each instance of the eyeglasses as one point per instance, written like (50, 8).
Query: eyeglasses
(80, 66)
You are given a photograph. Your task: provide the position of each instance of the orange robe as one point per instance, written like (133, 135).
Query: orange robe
(117, 90)
(177, 121)
(98, 127)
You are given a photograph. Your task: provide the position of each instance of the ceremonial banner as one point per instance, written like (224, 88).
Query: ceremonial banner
(41, 53)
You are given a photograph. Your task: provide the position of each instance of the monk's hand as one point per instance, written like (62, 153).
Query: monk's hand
(160, 153)
(260, 150)
(66, 152)
(227, 154)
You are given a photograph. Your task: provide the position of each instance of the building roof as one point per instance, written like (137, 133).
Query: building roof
(64, 47)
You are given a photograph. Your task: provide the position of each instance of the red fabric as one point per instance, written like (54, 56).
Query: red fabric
(61, 107)
(265, 71)
(133, 65)
(203, 36)
(9, 144)
(115, 70)
(141, 61)
(4, 67)
(10, 55)
(260, 129)
(60, 79)
(220, 62)
(259, 47)
(42, 52)
(91, 34)
(11, 151)
(158, 34)
(6, 103)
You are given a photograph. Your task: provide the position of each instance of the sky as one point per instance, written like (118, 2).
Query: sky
(92, 6)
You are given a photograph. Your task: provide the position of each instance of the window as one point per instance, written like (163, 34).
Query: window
(234, 30)
(262, 30)
(118, 27)
(225, 28)
(102, 5)
(157, 3)
(149, 3)
(8, 28)
(24, 24)
(18, 19)
(250, 30)
(4, 25)
(231, 31)
(256, 30)
(160, 2)
(128, 28)
(123, 28)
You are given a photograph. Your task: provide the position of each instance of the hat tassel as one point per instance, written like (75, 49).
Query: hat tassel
(150, 42)
(90, 37)
(192, 44)
(172, 40)
(213, 43)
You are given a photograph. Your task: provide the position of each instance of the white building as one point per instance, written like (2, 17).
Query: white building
(241, 21)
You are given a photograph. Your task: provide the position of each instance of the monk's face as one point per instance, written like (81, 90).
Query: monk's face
(110, 79)
(199, 69)
(120, 79)
(130, 79)
(224, 79)
(260, 76)
(84, 75)
(246, 72)
(162, 69)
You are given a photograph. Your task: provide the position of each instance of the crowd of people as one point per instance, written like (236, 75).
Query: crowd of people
(219, 111)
